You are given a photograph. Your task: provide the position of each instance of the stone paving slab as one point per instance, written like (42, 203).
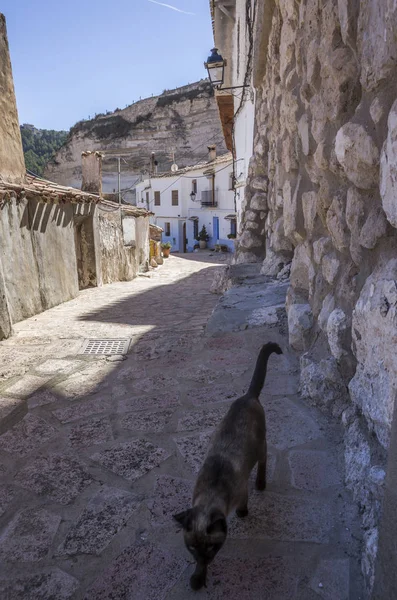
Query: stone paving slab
(331, 579)
(49, 584)
(286, 518)
(57, 477)
(131, 460)
(208, 418)
(106, 513)
(26, 386)
(90, 433)
(147, 421)
(139, 572)
(28, 537)
(270, 578)
(7, 494)
(27, 435)
(312, 470)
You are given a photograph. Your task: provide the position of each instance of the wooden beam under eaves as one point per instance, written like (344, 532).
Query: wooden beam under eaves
(222, 7)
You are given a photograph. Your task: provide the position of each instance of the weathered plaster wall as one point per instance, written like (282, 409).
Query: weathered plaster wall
(322, 190)
(12, 162)
(37, 255)
(120, 262)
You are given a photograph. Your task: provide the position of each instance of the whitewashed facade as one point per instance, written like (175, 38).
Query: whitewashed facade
(185, 200)
(232, 26)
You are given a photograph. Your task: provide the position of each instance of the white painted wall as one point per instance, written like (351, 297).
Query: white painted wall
(177, 215)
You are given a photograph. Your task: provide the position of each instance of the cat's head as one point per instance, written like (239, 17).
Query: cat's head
(204, 532)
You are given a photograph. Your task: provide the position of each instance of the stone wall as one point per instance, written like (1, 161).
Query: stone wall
(322, 196)
(11, 154)
(121, 260)
(38, 256)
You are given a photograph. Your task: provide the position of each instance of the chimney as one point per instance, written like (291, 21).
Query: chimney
(91, 166)
(211, 153)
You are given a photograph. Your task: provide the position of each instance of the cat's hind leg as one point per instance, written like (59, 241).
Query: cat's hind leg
(260, 482)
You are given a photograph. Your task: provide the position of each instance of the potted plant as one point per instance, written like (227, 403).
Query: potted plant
(166, 248)
(231, 236)
(203, 238)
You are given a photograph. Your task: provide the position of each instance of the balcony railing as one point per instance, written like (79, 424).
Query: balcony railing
(209, 199)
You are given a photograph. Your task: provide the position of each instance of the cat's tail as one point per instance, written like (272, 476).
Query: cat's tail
(258, 378)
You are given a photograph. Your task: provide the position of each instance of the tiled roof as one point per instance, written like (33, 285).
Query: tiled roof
(46, 191)
(36, 188)
(220, 160)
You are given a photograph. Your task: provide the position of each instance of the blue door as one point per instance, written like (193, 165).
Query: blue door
(215, 229)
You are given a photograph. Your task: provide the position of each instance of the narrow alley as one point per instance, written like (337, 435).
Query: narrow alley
(97, 453)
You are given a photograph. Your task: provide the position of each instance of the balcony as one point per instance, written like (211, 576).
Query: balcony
(209, 199)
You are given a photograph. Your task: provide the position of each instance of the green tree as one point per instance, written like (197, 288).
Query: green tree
(39, 146)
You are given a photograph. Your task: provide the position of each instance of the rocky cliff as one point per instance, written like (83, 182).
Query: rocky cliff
(182, 120)
(322, 196)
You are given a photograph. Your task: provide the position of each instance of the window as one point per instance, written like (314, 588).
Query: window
(167, 229)
(147, 198)
(194, 186)
(157, 198)
(174, 197)
(231, 181)
(195, 229)
(233, 226)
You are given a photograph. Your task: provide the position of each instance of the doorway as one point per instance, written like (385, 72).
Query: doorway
(215, 229)
(184, 240)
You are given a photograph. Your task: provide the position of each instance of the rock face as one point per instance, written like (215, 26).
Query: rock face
(322, 190)
(183, 120)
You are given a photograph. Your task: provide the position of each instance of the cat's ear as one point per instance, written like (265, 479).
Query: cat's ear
(217, 522)
(184, 519)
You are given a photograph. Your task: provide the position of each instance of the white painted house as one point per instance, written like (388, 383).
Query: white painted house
(232, 29)
(186, 199)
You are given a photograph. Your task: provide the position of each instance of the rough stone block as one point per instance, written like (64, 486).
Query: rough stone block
(300, 323)
(106, 513)
(140, 571)
(57, 477)
(358, 154)
(28, 435)
(133, 459)
(28, 537)
(312, 470)
(49, 584)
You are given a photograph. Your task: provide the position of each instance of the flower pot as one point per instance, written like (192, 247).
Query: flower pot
(202, 244)
(166, 252)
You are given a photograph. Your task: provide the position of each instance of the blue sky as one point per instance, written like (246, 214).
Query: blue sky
(74, 58)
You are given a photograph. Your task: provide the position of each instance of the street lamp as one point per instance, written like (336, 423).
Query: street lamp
(192, 196)
(215, 66)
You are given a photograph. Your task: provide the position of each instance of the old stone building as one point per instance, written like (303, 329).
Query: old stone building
(55, 240)
(321, 197)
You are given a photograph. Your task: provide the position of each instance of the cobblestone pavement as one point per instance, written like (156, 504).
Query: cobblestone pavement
(96, 456)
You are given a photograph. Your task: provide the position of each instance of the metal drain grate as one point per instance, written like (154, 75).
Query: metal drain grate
(115, 346)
